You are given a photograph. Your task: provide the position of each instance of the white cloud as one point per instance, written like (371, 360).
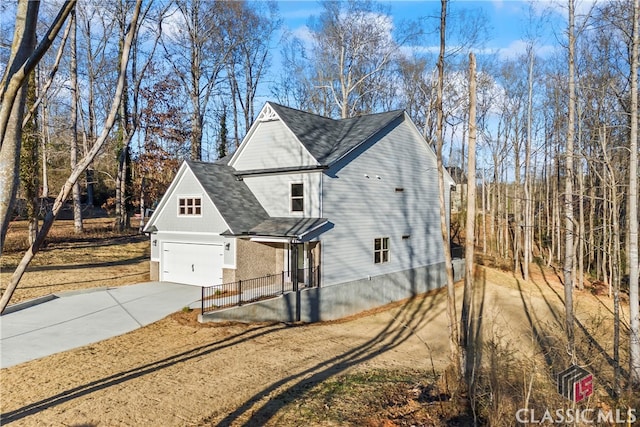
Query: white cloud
(519, 47)
(301, 13)
(303, 34)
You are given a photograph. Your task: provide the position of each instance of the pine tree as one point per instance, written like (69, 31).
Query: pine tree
(222, 134)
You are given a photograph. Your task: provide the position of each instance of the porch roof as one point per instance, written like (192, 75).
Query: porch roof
(302, 229)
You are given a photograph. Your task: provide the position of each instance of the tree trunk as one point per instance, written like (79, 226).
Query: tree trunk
(528, 226)
(78, 170)
(22, 61)
(24, 40)
(44, 139)
(568, 190)
(77, 207)
(467, 298)
(634, 298)
(29, 162)
(444, 227)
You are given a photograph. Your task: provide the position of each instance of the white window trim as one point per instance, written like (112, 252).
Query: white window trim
(382, 250)
(291, 211)
(186, 197)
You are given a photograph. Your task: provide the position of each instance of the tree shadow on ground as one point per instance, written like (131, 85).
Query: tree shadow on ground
(140, 371)
(413, 314)
(553, 344)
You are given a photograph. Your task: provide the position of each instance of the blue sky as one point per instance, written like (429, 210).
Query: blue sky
(508, 20)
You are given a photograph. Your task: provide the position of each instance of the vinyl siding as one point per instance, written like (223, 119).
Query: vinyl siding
(273, 193)
(209, 222)
(360, 198)
(272, 145)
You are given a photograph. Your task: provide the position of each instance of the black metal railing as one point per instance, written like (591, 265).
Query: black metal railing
(260, 288)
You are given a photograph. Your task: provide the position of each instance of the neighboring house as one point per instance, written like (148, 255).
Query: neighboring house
(460, 179)
(357, 198)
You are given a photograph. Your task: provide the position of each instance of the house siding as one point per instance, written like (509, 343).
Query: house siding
(272, 145)
(273, 193)
(359, 196)
(209, 222)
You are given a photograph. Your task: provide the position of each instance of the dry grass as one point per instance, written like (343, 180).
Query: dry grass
(98, 257)
(385, 367)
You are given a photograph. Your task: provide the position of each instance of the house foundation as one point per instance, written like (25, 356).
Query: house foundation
(341, 300)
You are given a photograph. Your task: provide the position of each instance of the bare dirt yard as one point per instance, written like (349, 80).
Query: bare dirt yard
(386, 367)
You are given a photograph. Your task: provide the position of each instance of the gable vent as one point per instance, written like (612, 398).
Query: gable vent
(267, 114)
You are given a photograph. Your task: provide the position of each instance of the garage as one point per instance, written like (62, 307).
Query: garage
(192, 264)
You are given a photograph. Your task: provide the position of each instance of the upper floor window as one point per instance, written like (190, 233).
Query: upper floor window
(380, 250)
(297, 197)
(190, 206)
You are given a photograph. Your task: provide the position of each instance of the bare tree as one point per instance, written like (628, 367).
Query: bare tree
(454, 335)
(22, 62)
(353, 43)
(250, 59)
(469, 253)
(78, 170)
(197, 51)
(634, 299)
(77, 207)
(568, 185)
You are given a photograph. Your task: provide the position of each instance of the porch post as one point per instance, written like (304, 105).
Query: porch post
(294, 266)
(294, 277)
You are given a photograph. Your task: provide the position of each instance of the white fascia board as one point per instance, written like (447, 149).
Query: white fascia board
(270, 239)
(187, 233)
(236, 155)
(166, 197)
(171, 190)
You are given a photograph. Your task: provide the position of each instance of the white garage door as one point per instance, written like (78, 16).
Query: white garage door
(192, 264)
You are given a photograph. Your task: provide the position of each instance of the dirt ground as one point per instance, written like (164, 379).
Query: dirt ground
(114, 259)
(177, 372)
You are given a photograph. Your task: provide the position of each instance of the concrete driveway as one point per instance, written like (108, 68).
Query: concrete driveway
(74, 319)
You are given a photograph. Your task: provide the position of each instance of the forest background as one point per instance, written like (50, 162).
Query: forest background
(120, 93)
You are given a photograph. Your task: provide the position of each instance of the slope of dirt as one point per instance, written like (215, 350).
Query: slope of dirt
(177, 372)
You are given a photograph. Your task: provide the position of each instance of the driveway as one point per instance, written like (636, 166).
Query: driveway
(74, 319)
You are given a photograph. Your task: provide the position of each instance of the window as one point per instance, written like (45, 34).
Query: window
(381, 250)
(190, 206)
(297, 197)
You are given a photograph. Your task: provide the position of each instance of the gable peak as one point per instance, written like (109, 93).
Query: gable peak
(268, 114)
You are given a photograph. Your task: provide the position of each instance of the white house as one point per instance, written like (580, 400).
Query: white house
(356, 198)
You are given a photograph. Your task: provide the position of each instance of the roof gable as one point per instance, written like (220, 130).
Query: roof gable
(326, 140)
(233, 199)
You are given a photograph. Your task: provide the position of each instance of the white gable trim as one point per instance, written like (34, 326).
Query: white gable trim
(267, 114)
(165, 197)
(184, 169)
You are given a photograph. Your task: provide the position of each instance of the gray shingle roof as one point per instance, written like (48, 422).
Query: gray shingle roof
(327, 139)
(233, 199)
(287, 226)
